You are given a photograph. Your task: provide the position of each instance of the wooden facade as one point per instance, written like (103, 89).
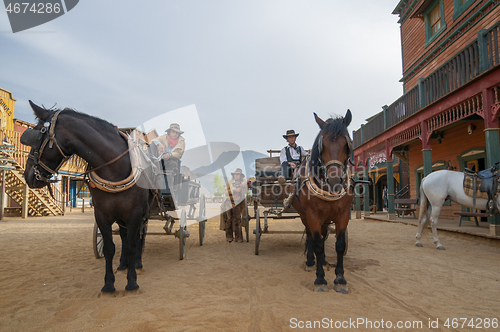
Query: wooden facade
(421, 58)
(448, 116)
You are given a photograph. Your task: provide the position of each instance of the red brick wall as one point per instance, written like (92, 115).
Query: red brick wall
(455, 141)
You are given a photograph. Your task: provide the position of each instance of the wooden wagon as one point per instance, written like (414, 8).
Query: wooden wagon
(180, 191)
(268, 193)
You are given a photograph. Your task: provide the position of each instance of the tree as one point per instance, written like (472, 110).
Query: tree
(218, 185)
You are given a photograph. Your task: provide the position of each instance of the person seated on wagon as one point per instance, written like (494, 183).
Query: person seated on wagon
(290, 157)
(171, 145)
(235, 192)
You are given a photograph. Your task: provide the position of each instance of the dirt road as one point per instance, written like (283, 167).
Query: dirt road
(51, 281)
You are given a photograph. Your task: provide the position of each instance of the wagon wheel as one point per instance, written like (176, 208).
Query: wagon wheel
(246, 220)
(202, 220)
(183, 234)
(98, 242)
(257, 231)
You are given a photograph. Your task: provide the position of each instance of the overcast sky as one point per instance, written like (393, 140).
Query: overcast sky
(253, 69)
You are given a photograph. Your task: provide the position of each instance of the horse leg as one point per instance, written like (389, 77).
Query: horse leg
(310, 253)
(434, 219)
(340, 282)
(423, 220)
(423, 215)
(109, 253)
(130, 250)
(319, 250)
(123, 257)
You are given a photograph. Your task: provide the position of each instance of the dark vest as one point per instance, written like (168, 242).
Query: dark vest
(289, 155)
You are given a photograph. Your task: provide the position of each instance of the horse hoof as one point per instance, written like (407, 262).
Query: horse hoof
(132, 287)
(321, 288)
(308, 268)
(341, 288)
(122, 268)
(108, 289)
(440, 248)
(418, 244)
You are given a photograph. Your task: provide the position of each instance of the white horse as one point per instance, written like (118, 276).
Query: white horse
(434, 190)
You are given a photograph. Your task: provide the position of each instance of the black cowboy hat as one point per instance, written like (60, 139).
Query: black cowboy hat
(290, 132)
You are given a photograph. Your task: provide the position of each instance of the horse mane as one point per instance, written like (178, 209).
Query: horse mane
(334, 126)
(70, 111)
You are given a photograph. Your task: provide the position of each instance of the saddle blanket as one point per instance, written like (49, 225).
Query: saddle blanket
(469, 187)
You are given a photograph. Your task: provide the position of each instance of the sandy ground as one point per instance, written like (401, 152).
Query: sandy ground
(51, 280)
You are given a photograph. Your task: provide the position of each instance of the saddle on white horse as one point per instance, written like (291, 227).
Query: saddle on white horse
(483, 184)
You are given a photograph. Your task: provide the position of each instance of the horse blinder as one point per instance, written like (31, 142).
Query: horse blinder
(30, 137)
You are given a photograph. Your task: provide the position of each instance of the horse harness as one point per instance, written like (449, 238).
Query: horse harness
(38, 140)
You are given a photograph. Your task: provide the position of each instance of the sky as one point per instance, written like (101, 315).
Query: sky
(251, 69)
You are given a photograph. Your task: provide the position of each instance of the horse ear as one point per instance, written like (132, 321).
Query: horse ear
(40, 113)
(347, 118)
(320, 122)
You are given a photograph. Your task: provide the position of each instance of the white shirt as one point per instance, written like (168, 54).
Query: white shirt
(293, 153)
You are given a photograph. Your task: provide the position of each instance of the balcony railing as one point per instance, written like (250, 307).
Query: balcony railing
(470, 62)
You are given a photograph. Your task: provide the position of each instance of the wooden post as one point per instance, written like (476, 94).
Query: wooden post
(26, 196)
(2, 200)
(366, 190)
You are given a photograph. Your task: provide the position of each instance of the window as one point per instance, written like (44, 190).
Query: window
(434, 21)
(460, 6)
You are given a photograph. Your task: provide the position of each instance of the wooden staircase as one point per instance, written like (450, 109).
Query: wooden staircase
(40, 202)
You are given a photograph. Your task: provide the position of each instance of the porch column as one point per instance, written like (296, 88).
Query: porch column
(366, 189)
(24, 208)
(492, 146)
(390, 189)
(425, 137)
(357, 198)
(427, 154)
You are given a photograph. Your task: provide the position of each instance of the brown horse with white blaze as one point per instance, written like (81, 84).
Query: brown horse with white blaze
(325, 196)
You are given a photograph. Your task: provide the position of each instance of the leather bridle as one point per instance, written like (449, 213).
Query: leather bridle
(43, 137)
(344, 166)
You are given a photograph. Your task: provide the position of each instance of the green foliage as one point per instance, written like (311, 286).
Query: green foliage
(218, 185)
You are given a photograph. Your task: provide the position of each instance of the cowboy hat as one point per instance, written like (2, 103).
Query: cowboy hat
(238, 171)
(175, 127)
(290, 132)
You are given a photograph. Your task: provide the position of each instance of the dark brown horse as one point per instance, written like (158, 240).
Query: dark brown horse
(325, 196)
(60, 134)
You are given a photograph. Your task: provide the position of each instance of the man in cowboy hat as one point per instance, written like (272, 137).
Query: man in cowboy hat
(290, 156)
(172, 146)
(235, 193)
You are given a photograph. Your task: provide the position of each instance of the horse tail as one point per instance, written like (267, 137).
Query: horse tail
(424, 204)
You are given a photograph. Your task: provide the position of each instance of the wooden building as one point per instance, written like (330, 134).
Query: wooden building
(447, 117)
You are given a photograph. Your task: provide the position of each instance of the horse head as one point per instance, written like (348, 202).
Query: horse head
(46, 155)
(331, 151)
